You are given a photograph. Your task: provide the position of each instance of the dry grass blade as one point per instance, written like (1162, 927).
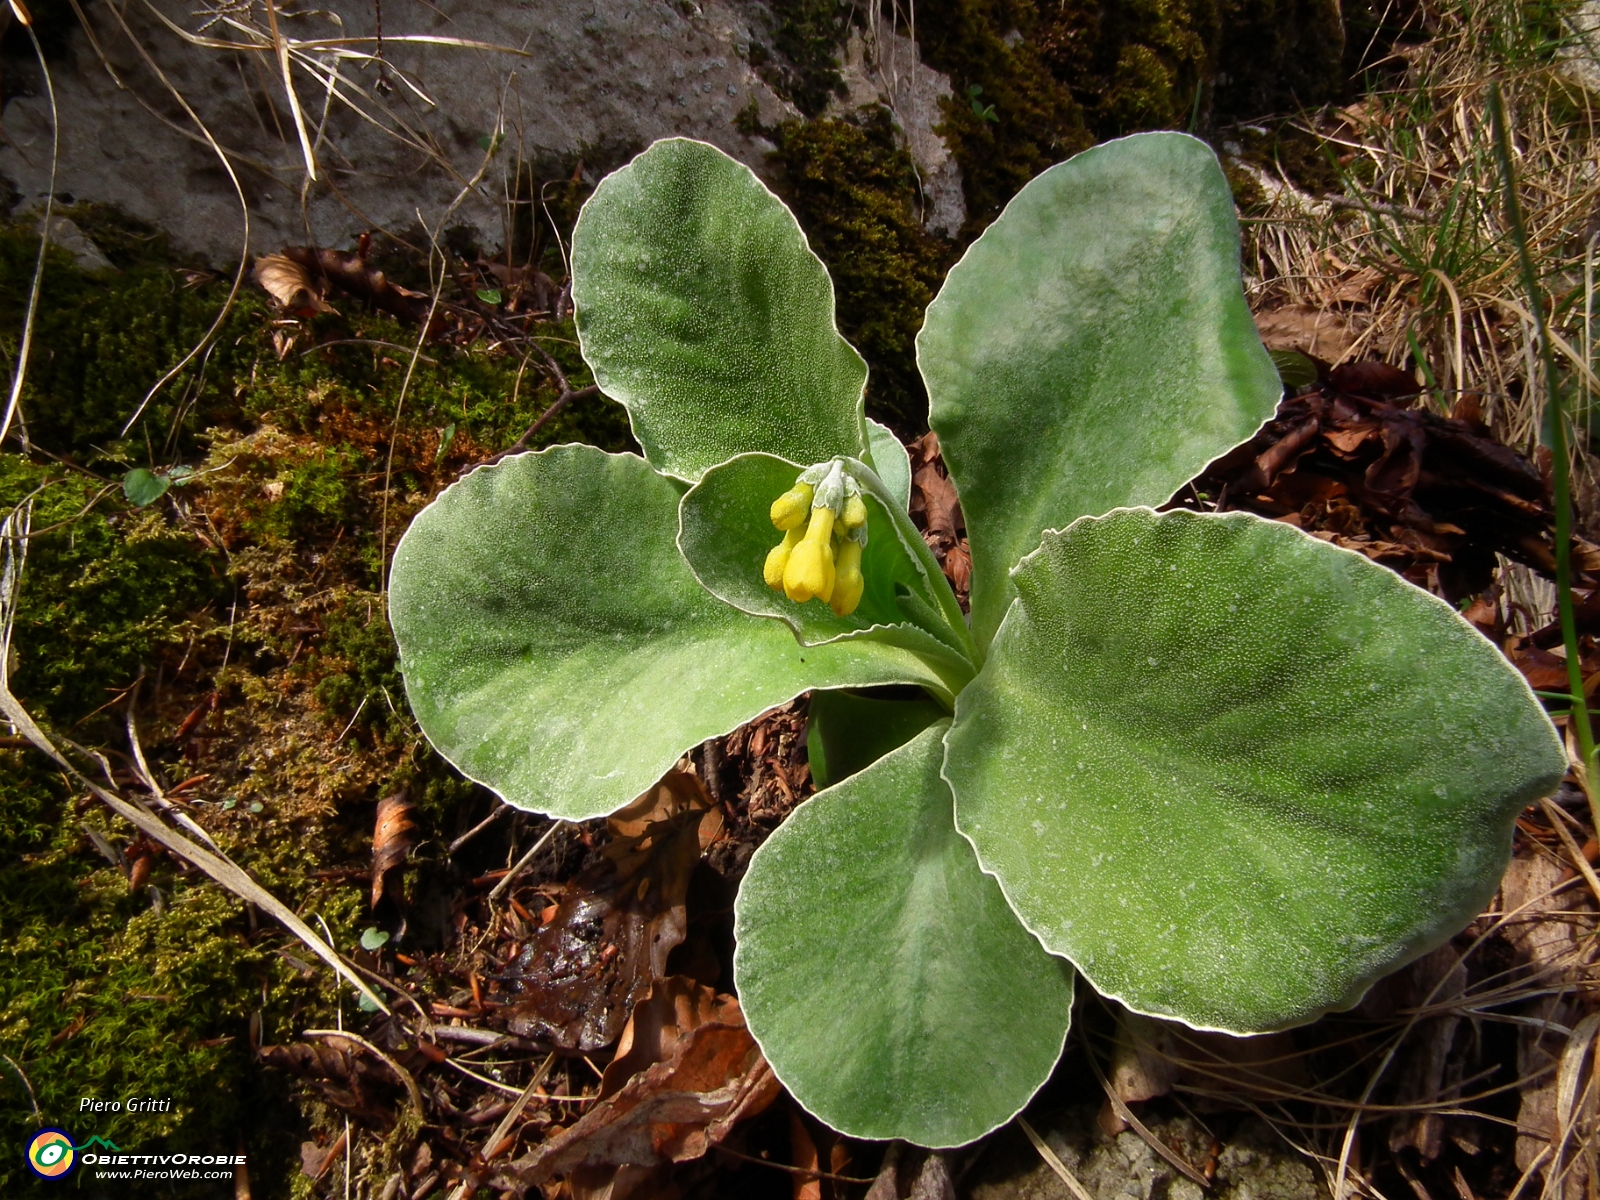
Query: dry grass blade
(510, 1119)
(400, 1073)
(14, 536)
(1053, 1161)
(1178, 1162)
(28, 320)
(226, 872)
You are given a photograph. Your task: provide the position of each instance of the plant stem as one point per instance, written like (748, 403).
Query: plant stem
(1560, 466)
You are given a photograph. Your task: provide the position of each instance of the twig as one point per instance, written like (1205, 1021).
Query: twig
(400, 1072)
(466, 1186)
(1052, 1161)
(807, 1172)
(522, 864)
(500, 810)
(561, 402)
(1359, 204)
(482, 1038)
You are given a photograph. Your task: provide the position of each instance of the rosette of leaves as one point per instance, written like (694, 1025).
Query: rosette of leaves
(1228, 773)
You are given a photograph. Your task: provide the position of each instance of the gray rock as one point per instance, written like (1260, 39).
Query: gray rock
(596, 79)
(64, 232)
(1253, 1165)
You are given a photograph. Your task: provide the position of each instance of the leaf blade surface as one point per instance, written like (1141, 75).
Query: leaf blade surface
(1235, 774)
(556, 648)
(880, 970)
(1092, 350)
(703, 310)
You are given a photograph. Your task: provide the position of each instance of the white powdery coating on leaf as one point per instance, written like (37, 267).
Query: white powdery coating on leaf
(1312, 783)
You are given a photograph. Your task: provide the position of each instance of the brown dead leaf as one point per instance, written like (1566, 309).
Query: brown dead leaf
(1435, 498)
(350, 272)
(936, 511)
(687, 1072)
(1374, 379)
(803, 1154)
(1143, 1062)
(1320, 332)
(678, 792)
(349, 1079)
(392, 840)
(1355, 288)
(611, 932)
(1544, 671)
(290, 284)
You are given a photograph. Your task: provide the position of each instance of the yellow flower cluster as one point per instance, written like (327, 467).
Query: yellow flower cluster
(824, 522)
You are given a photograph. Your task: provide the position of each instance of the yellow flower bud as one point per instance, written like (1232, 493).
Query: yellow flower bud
(848, 584)
(778, 557)
(793, 507)
(809, 571)
(855, 513)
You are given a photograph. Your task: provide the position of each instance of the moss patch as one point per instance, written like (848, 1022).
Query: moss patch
(807, 34)
(854, 191)
(251, 598)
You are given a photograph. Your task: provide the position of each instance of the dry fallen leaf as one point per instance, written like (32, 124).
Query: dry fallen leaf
(1320, 332)
(348, 1078)
(392, 839)
(613, 929)
(1433, 497)
(350, 272)
(289, 283)
(687, 1070)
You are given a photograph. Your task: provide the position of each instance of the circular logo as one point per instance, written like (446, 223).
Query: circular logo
(50, 1153)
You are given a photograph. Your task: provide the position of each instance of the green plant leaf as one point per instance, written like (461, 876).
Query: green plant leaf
(847, 732)
(1294, 368)
(556, 649)
(888, 984)
(142, 487)
(726, 532)
(373, 938)
(1092, 350)
(1236, 774)
(890, 461)
(702, 309)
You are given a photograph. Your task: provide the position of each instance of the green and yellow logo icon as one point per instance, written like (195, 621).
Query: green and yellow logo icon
(51, 1153)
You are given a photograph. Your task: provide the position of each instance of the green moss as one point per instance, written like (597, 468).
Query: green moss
(358, 652)
(102, 994)
(853, 190)
(808, 34)
(104, 591)
(1137, 65)
(101, 342)
(992, 44)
